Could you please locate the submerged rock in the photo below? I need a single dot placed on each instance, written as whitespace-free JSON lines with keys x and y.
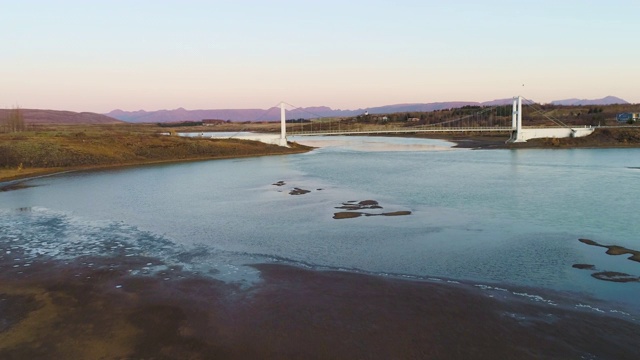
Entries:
{"x":348,"y":207}
{"x":347,"y":215}
{"x":397,"y":213}
{"x":615,"y":249}
{"x":590,"y":242}
{"x":615,"y":277}
{"x":364,"y":204}
{"x":355,"y":214}
{"x":584,"y":266}
{"x":298,"y":191}
{"x":352,"y":205}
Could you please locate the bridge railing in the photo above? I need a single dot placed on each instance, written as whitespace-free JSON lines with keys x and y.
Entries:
{"x":396,"y":130}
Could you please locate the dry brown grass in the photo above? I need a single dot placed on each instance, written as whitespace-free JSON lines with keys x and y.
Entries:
{"x":71,"y":147}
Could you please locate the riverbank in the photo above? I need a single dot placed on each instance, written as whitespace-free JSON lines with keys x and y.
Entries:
{"x":71,"y":148}
{"x":95,"y":307}
{"x":29,"y":154}
{"x":620,"y":137}
{"x":103,"y":266}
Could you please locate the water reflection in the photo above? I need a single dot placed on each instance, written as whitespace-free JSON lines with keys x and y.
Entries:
{"x":375,"y":144}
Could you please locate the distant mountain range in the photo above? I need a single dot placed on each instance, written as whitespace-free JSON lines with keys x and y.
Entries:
{"x":274,"y":113}
{"x":609,"y":100}
{"x":181,"y":114}
{"x":37,"y":116}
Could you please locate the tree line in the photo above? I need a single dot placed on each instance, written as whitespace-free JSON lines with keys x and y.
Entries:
{"x":14,"y":122}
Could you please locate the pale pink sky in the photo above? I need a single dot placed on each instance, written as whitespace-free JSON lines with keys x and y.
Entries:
{"x":102,"y":55}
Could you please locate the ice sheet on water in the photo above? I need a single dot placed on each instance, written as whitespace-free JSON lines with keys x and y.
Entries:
{"x":28,"y":234}
{"x":45,"y":232}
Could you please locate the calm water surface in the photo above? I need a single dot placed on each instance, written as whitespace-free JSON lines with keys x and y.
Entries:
{"x":512,"y":217}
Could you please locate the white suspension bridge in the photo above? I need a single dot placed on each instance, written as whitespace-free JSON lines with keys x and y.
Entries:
{"x":484,"y":120}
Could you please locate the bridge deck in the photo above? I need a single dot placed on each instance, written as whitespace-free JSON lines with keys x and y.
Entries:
{"x":398,"y":130}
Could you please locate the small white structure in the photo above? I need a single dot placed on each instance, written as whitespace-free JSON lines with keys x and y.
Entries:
{"x":538,"y":133}
{"x":522,"y":135}
{"x":272,"y":139}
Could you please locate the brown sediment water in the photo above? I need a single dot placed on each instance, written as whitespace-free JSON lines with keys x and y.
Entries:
{"x":58,"y":310}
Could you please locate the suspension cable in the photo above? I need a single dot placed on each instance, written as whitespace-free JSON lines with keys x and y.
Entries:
{"x":460,"y":118}
{"x":483,"y":111}
{"x":540,"y":110}
{"x":264,"y":113}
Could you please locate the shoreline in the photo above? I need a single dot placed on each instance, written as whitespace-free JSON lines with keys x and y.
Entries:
{"x":44,"y":172}
{"x":602,"y":138}
{"x":131,"y":305}
{"x":94,"y":307}
{"x":35,"y":153}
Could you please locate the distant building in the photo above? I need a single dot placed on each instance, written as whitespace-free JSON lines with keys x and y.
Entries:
{"x":211,"y":122}
{"x":626,"y":117}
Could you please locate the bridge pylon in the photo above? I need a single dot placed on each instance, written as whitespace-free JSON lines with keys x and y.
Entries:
{"x":283,"y":126}
{"x":516,"y":121}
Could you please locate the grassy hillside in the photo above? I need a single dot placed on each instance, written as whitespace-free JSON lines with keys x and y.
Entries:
{"x":95,"y":146}
{"x":38,"y":116}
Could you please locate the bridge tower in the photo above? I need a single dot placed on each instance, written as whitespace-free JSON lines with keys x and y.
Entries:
{"x":283,"y":126}
{"x":516,"y":120}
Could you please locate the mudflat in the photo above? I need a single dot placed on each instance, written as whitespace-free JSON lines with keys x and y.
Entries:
{"x":104,"y":308}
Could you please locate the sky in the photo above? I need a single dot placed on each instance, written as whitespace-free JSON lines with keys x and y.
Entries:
{"x":98,"y":56}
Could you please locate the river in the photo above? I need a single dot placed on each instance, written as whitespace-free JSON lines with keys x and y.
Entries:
{"x":507,"y":218}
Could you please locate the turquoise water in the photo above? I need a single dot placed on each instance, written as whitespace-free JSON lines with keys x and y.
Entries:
{"x":511,"y":217}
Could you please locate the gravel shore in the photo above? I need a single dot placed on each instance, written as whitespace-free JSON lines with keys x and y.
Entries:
{"x":95,"y":308}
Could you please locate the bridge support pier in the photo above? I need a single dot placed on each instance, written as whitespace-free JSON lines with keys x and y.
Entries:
{"x":518,"y":134}
{"x":516,"y":121}
{"x":283,"y":126}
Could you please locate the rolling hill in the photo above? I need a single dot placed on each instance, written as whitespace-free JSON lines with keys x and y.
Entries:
{"x":609,"y":100}
{"x":36,"y":116}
